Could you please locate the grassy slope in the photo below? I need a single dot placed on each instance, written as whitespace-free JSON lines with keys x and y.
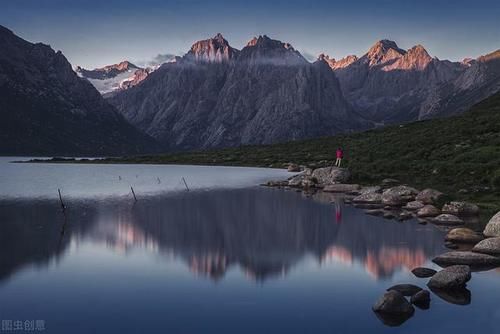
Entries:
{"x":448,"y":154}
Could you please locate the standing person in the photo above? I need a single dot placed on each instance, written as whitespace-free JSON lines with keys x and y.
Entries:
{"x":340,"y":156}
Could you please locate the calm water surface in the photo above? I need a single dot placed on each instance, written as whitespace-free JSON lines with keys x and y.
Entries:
{"x":225,"y":257}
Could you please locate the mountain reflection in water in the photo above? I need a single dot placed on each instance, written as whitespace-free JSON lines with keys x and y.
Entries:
{"x":264,"y":232}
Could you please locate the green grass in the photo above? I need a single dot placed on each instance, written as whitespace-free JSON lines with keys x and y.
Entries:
{"x":459,"y":155}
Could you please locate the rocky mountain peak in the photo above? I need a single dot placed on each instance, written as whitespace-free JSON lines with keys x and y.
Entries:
{"x":384,"y":51}
{"x":212,"y":50}
{"x":268,"y":50}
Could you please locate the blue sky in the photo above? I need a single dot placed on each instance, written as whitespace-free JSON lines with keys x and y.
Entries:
{"x":94,"y":33}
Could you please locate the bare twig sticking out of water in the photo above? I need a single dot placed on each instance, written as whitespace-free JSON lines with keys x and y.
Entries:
{"x":133,"y":193}
{"x":184,"y":180}
{"x":63,"y":206}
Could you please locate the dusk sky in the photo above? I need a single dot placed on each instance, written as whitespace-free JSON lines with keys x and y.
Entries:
{"x":93,"y":33}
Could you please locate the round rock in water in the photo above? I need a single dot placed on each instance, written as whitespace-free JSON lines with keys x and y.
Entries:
{"x":421,"y":299}
{"x":405,"y":289}
{"x":464,"y":235}
{"x":413,"y":205}
{"x":493,"y":227}
{"x":447,"y":219}
{"x":422,"y":272}
{"x":428,"y":211}
{"x":488,"y":246}
{"x":468,"y":258}
{"x":461,"y":209}
{"x":393,"y":302}
{"x":429,"y":196}
{"x":453,"y":277}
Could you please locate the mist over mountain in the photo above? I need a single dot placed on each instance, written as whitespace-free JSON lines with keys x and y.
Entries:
{"x":47,"y":109}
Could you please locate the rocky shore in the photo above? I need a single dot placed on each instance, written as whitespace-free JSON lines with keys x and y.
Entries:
{"x":470,"y":249}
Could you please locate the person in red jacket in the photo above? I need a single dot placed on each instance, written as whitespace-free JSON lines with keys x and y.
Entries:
{"x":340,"y":156}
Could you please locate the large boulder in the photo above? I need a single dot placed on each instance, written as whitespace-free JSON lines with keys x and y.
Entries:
{"x":392,"y":200}
{"x":430,"y":196}
{"x":493,"y":227}
{"x":368,"y":198}
{"x":461,"y":209}
{"x":399,"y":194}
{"x":488,"y":246}
{"x":393,"y":302}
{"x":447,"y":219}
{"x":342,"y":188}
{"x":453,"y":277}
{"x":413,"y":205}
{"x":405,"y":289}
{"x":464,"y":235}
{"x":331,"y":175}
{"x":428,"y":211}
{"x":468,"y":258}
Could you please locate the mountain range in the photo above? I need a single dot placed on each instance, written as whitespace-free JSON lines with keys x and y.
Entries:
{"x":218,"y":96}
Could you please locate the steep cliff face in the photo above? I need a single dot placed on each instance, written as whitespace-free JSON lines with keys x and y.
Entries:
{"x":216,"y":96}
{"x":389,"y":84}
{"x":47,"y":109}
{"x":480,"y":80}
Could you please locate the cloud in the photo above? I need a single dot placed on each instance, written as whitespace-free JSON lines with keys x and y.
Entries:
{"x":309,"y":56}
{"x":157,"y":60}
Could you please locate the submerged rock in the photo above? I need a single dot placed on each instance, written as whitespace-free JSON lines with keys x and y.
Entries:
{"x":493,"y":227}
{"x":464,"y":235}
{"x":342,"y":188}
{"x":331,"y":175}
{"x":468,"y":258}
{"x":461,"y":209}
{"x":453,"y":277}
{"x":488,"y":246}
{"x":428,"y":211}
{"x":422,"y":272}
{"x":405,"y":289}
{"x":460,"y":296}
{"x":430,"y":196}
{"x":447,"y":219}
{"x":393,"y":302}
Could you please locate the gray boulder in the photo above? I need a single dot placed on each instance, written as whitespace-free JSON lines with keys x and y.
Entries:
{"x":413,"y":205}
{"x":392,"y":200}
{"x":393,"y":302}
{"x":405,"y":289}
{"x":428,"y":211}
{"x":453,"y":277}
{"x":331,"y":175}
{"x":405,"y":193}
{"x":342,"y":188}
{"x":493,"y":227}
{"x":422,"y":272}
{"x":488,"y":246}
{"x":461,"y":209}
{"x":447,"y":219}
{"x":429,"y":196}
{"x":467,"y":258}
{"x":464,"y":235}
{"x":368,"y":198}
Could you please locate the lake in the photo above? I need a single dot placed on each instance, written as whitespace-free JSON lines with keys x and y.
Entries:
{"x":227,"y":256}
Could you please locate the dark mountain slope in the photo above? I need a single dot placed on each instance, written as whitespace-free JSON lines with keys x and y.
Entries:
{"x":47,"y":109}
